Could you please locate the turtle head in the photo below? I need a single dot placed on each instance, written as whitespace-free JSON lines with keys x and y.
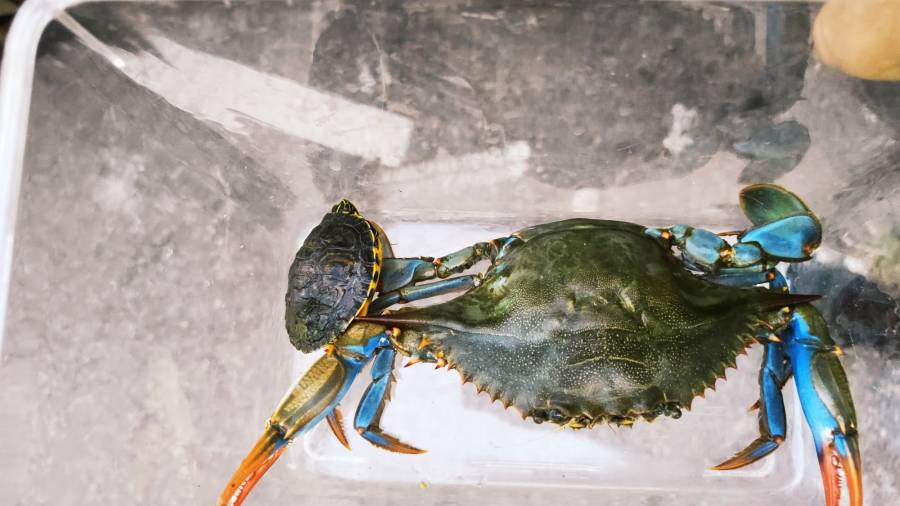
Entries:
{"x":345,"y":207}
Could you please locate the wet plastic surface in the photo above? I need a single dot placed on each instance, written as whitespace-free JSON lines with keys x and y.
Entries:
{"x":178,"y":153}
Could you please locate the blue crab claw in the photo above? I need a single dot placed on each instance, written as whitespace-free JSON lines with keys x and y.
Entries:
{"x":784,"y":227}
{"x":827,"y":405}
{"x":791,"y":239}
{"x":765,"y":203}
{"x":311,"y":399}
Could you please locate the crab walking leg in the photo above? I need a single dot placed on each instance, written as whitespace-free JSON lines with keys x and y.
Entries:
{"x":401,"y":272}
{"x":336,"y":423}
{"x":315,"y":395}
{"x":457,"y":262}
{"x":741,"y":276}
{"x":368,"y":414}
{"x":772,"y":424}
{"x":414,"y":293}
{"x":827,"y":404}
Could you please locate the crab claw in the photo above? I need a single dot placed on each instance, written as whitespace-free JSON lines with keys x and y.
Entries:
{"x":784,"y":227}
{"x":313,"y":397}
{"x":827,"y":405}
{"x":265,"y":452}
{"x":840,"y":465}
{"x":833,"y":423}
{"x":767,"y":203}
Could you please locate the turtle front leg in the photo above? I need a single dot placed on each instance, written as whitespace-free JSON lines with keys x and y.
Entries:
{"x":772,"y":425}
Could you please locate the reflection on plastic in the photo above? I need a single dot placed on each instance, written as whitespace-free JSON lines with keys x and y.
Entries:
{"x":191,"y":80}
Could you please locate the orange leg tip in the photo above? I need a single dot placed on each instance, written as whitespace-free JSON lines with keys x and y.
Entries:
{"x":336,"y":423}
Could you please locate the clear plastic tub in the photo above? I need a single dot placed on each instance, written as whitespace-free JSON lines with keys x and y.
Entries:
{"x":178,"y":152}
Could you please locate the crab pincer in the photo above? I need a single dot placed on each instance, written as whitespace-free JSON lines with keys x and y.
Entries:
{"x":827,"y":405}
{"x":314,"y":396}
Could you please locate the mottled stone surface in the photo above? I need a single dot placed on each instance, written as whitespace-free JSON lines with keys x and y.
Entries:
{"x":145,"y":344}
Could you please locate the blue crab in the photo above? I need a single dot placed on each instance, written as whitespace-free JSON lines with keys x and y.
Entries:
{"x":576,"y":322}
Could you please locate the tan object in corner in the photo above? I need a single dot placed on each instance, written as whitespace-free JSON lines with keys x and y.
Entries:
{"x":860,"y":37}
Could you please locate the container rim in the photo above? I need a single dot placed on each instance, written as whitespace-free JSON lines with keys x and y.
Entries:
{"x":16,"y":77}
{"x":16,"y":80}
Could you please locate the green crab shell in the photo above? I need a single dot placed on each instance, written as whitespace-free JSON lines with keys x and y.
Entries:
{"x":333,"y":275}
{"x":589,"y":321}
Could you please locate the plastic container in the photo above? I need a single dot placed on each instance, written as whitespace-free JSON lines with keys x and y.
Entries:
{"x":178,"y":152}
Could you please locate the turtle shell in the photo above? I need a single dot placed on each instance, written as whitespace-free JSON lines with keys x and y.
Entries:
{"x":332,"y":277}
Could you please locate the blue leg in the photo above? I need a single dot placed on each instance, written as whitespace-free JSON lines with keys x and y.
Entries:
{"x":827,"y":404}
{"x":368,"y":414}
{"x":399,"y":272}
{"x":772,"y":425}
{"x":402,"y":272}
{"x":418,"y":292}
{"x":741,"y":277}
{"x":750,"y":277}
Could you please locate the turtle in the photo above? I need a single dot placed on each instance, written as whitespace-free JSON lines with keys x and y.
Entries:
{"x":333,"y":277}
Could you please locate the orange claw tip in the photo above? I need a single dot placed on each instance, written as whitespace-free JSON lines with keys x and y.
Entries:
{"x":753,"y":452}
{"x":268,"y":448}
{"x":391,"y":443}
{"x":841,"y":470}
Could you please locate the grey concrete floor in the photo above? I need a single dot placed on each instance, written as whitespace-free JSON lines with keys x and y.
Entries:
{"x":177,"y":156}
